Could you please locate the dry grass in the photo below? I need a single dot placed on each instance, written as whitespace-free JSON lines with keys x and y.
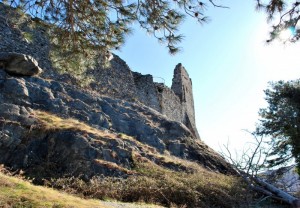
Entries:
{"x":155,"y":184}
{"x":18,"y":193}
{"x":53,"y":122}
{"x":201,"y":188}
{"x":114,"y":166}
{"x":15,"y":192}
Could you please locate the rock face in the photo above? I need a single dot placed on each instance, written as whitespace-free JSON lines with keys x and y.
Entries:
{"x":19,"y":64}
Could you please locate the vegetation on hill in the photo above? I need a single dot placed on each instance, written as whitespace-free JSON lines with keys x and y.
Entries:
{"x":17,"y":192}
{"x":157,"y":184}
{"x":153,"y":178}
{"x":153,"y":184}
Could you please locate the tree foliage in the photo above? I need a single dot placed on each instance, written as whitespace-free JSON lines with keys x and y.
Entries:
{"x":286,"y":15}
{"x":102,"y":25}
{"x":281,"y":121}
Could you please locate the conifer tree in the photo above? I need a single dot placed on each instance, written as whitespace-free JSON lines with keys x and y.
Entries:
{"x":281,"y":121}
{"x":103,"y":24}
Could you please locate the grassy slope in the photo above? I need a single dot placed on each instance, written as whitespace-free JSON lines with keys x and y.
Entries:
{"x":15,"y":192}
{"x":151,"y":183}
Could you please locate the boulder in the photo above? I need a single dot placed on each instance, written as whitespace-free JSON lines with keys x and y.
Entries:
{"x":19,"y":64}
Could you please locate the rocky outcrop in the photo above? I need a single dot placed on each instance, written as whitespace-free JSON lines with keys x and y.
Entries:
{"x":126,"y":129}
{"x":19,"y":64}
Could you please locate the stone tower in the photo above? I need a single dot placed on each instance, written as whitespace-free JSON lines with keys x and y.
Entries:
{"x":182,"y":87}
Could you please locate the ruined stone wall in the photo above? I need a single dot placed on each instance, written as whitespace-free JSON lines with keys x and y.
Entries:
{"x":146,"y":91}
{"x":176,"y":103}
{"x":116,"y":81}
{"x":30,"y":38}
{"x":169,"y":102}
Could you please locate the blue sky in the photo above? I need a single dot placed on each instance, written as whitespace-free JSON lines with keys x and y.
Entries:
{"x":230,"y":66}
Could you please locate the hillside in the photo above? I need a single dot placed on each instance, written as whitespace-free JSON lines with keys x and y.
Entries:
{"x":151,"y":183}
{"x":39,"y":136}
{"x":121,"y":136}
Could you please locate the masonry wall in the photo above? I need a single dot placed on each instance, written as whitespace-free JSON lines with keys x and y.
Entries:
{"x":116,"y":81}
{"x":169,"y":102}
{"x":146,"y":90}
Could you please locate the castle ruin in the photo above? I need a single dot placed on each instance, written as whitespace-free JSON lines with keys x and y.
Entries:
{"x":177,"y":102}
{"x":118,"y":81}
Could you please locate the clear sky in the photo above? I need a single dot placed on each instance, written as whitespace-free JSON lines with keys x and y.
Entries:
{"x":230,"y":66}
